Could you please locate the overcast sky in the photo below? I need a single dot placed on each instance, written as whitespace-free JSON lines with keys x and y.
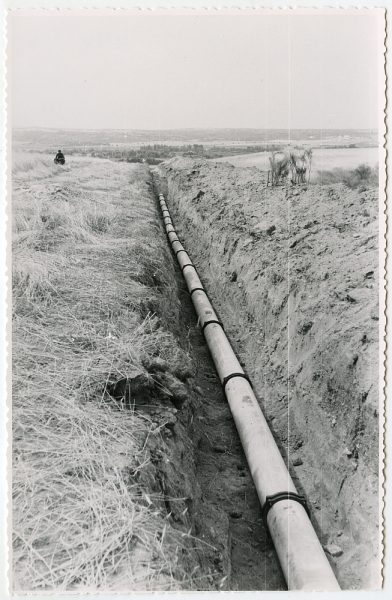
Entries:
{"x":155,"y":71}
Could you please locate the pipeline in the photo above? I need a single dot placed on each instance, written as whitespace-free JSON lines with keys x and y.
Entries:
{"x":285,"y":512}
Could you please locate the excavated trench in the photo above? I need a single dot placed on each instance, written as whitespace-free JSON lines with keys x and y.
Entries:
{"x":229,"y":513}
{"x":237,"y":551}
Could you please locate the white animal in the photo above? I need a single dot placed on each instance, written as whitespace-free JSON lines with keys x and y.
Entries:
{"x":296,"y":160}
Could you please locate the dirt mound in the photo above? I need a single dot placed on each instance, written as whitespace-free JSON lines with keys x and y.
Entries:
{"x":294,"y":275}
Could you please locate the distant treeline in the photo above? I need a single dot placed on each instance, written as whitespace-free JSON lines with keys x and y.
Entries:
{"x":156,"y":153}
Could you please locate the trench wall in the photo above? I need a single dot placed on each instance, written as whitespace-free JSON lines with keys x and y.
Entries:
{"x":170,"y":472}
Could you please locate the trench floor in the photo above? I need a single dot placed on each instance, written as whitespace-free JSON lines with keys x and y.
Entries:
{"x":231,"y":506}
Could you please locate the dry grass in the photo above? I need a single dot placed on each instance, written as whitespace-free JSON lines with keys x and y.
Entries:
{"x":88,"y":285}
{"x":363,"y":177}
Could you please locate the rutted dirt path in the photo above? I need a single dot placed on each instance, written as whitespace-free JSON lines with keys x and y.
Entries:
{"x":229,"y":516}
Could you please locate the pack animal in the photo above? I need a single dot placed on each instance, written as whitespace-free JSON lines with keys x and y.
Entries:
{"x":296,"y":162}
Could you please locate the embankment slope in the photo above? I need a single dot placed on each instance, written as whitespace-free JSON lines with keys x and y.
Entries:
{"x":294,"y":275}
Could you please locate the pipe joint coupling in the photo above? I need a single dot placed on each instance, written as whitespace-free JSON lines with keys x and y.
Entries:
{"x":274,"y":498}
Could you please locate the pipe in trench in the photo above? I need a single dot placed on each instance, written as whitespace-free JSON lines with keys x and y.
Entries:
{"x":300,"y":553}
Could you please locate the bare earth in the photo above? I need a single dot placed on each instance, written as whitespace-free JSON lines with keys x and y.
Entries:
{"x":294,"y":275}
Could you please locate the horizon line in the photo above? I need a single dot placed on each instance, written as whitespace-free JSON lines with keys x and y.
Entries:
{"x":195,"y":128}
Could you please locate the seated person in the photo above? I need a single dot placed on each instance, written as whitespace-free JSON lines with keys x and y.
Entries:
{"x":59,"y":156}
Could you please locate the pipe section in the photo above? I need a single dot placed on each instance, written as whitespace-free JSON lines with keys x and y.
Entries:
{"x":300,"y":554}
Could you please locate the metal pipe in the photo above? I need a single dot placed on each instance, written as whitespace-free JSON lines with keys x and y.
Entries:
{"x":300,"y":553}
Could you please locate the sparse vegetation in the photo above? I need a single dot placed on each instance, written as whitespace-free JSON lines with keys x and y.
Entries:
{"x":363,"y":176}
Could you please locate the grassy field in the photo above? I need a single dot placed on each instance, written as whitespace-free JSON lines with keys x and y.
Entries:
{"x":90,"y":299}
